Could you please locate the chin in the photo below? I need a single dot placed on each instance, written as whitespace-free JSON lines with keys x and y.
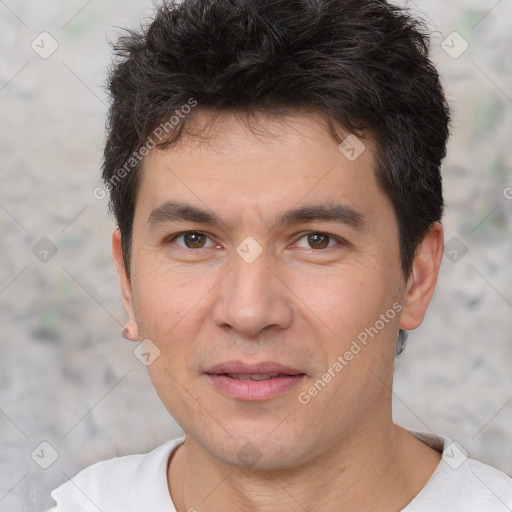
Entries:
{"x":258,"y":450}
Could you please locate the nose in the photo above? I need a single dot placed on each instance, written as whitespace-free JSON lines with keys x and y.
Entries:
{"x":252,"y":298}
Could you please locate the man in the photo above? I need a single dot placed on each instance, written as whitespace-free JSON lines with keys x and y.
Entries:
{"x":274,"y":171}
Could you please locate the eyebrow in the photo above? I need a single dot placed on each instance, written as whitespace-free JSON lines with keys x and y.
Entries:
{"x":175,"y":211}
{"x":329,"y":212}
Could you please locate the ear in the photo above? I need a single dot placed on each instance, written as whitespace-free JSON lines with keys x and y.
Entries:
{"x":124,"y":279}
{"x":423,"y":278}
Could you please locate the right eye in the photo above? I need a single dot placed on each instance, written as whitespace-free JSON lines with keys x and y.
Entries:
{"x":191,"y":240}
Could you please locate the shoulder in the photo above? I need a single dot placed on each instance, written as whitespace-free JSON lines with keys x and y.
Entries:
{"x":472,"y":487}
{"x":491,"y":481}
{"x":122,"y":483}
{"x":461,"y":483}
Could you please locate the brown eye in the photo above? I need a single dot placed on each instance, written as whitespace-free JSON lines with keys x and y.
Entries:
{"x":192,"y":240}
{"x":318,"y":240}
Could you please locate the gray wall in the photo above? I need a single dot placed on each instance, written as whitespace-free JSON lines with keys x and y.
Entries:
{"x":66,"y":375}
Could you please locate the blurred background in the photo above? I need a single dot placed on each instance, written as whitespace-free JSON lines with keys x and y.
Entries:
{"x":67,"y":377}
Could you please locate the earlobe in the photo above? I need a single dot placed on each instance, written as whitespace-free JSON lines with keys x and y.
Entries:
{"x":423,"y":278}
{"x":125,"y":283}
{"x":131,"y":331}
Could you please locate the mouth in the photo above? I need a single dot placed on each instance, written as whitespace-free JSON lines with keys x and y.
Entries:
{"x":257,"y":376}
{"x":258,"y":382}
{"x":268,"y":369}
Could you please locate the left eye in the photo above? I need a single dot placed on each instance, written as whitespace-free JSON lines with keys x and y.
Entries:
{"x":192,"y":240}
{"x":318,"y":241}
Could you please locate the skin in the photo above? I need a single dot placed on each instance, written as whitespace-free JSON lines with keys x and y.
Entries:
{"x":301,"y":302}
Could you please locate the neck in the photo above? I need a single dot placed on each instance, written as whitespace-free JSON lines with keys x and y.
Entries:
{"x":390,"y":462}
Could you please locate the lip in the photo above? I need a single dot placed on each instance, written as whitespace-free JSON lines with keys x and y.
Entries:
{"x":241,"y":367}
{"x":257,"y":390}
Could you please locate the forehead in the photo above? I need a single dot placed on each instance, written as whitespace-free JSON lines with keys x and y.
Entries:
{"x":284,"y":132}
{"x":260,"y":164}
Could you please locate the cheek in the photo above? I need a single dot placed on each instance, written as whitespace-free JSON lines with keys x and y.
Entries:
{"x":171,"y":309}
{"x":162,"y":300}
{"x":348,"y":300}
{"x":361,"y":309}
{"x":168,"y":313}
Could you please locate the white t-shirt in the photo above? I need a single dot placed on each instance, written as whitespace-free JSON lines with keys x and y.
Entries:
{"x":138,"y":483}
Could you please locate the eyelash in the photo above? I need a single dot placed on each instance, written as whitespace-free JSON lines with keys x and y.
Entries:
{"x":303,"y":235}
{"x":178,"y":235}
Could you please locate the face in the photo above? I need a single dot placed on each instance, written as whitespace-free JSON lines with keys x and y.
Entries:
{"x":265,"y":268}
